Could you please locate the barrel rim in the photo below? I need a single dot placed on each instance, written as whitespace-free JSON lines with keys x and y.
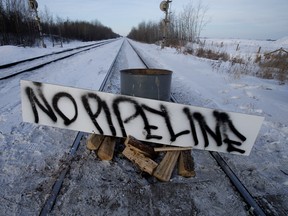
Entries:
{"x":144,"y":71}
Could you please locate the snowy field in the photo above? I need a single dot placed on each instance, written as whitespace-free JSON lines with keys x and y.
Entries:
{"x":245,"y":47}
{"x":31,"y":155}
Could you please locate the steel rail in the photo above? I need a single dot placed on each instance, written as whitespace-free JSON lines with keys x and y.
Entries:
{"x":248,"y":198}
{"x":50,"y":202}
{"x":54,"y":60}
{"x":46,"y":55}
{"x":254,"y":207}
{"x":140,"y":56}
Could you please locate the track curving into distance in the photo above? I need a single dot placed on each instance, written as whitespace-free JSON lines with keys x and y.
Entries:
{"x":13,"y":69}
{"x":254,"y":207}
{"x":48,"y":206}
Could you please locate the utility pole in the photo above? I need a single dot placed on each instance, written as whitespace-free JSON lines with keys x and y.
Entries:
{"x":164,"y":6}
{"x":34,"y":5}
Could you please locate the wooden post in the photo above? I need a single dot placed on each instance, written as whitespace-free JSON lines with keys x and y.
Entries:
{"x":106,"y":150}
{"x":186,"y":164}
{"x":238,"y":47}
{"x":164,"y":171}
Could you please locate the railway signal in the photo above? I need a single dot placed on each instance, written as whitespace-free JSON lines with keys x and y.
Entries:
{"x":164,"y":6}
{"x":34,"y":5}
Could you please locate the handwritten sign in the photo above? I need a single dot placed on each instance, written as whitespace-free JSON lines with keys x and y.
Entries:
{"x":147,"y":120}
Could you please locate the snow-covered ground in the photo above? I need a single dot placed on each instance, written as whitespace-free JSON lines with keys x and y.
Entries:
{"x":244,"y":48}
{"x":31,"y":155}
{"x":11,"y":54}
{"x":265,"y":171}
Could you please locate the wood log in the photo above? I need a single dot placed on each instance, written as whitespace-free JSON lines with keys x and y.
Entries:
{"x":144,"y":163}
{"x":144,"y":149}
{"x":164,"y":170}
{"x":106,"y":149}
{"x":186,"y":164}
{"x":94,"y":141}
{"x":160,"y":149}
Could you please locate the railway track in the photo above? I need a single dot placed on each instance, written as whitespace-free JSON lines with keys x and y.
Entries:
{"x":254,"y":208}
{"x":58,"y":184}
{"x":27,"y":65}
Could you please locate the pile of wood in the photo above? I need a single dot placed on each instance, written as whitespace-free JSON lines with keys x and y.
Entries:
{"x":145,"y":156}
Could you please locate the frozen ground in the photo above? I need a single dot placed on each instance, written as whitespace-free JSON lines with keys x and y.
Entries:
{"x":264,"y":172}
{"x":31,"y":155}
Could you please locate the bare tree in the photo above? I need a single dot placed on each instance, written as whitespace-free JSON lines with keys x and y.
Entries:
{"x":185,"y":26}
{"x":148,"y":32}
{"x":192,"y":21}
{"x":15,"y":23}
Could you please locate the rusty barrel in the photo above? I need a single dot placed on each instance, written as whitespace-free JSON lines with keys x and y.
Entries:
{"x":146,"y":83}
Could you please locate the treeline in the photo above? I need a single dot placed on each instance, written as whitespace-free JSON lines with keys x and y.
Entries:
{"x":18,"y":26}
{"x":146,"y":32}
{"x":79,"y":30}
{"x":186,"y":26}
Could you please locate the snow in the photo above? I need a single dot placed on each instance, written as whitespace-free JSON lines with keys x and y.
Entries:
{"x":10,"y":54}
{"x":247,"y":94}
{"x":282,"y":41}
{"x":31,"y":155}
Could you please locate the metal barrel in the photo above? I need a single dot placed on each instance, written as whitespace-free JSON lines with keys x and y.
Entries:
{"x":146,"y":83}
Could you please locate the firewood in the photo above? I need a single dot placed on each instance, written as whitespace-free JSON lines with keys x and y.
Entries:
{"x":94,"y":141}
{"x":186,"y":164}
{"x":164,"y":170}
{"x":144,"y":163}
{"x":159,"y":149}
{"x":106,"y":149}
{"x":143,"y":149}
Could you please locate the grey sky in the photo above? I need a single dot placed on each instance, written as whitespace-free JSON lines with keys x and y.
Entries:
{"x":257,"y":19}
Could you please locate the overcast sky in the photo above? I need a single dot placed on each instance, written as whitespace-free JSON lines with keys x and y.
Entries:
{"x":246,"y":19}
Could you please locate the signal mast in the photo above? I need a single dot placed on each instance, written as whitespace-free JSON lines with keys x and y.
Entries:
{"x":34,"y":5}
{"x":164,"y":6}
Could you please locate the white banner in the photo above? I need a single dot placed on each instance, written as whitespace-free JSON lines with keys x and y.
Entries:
{"x":147,"y":120}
